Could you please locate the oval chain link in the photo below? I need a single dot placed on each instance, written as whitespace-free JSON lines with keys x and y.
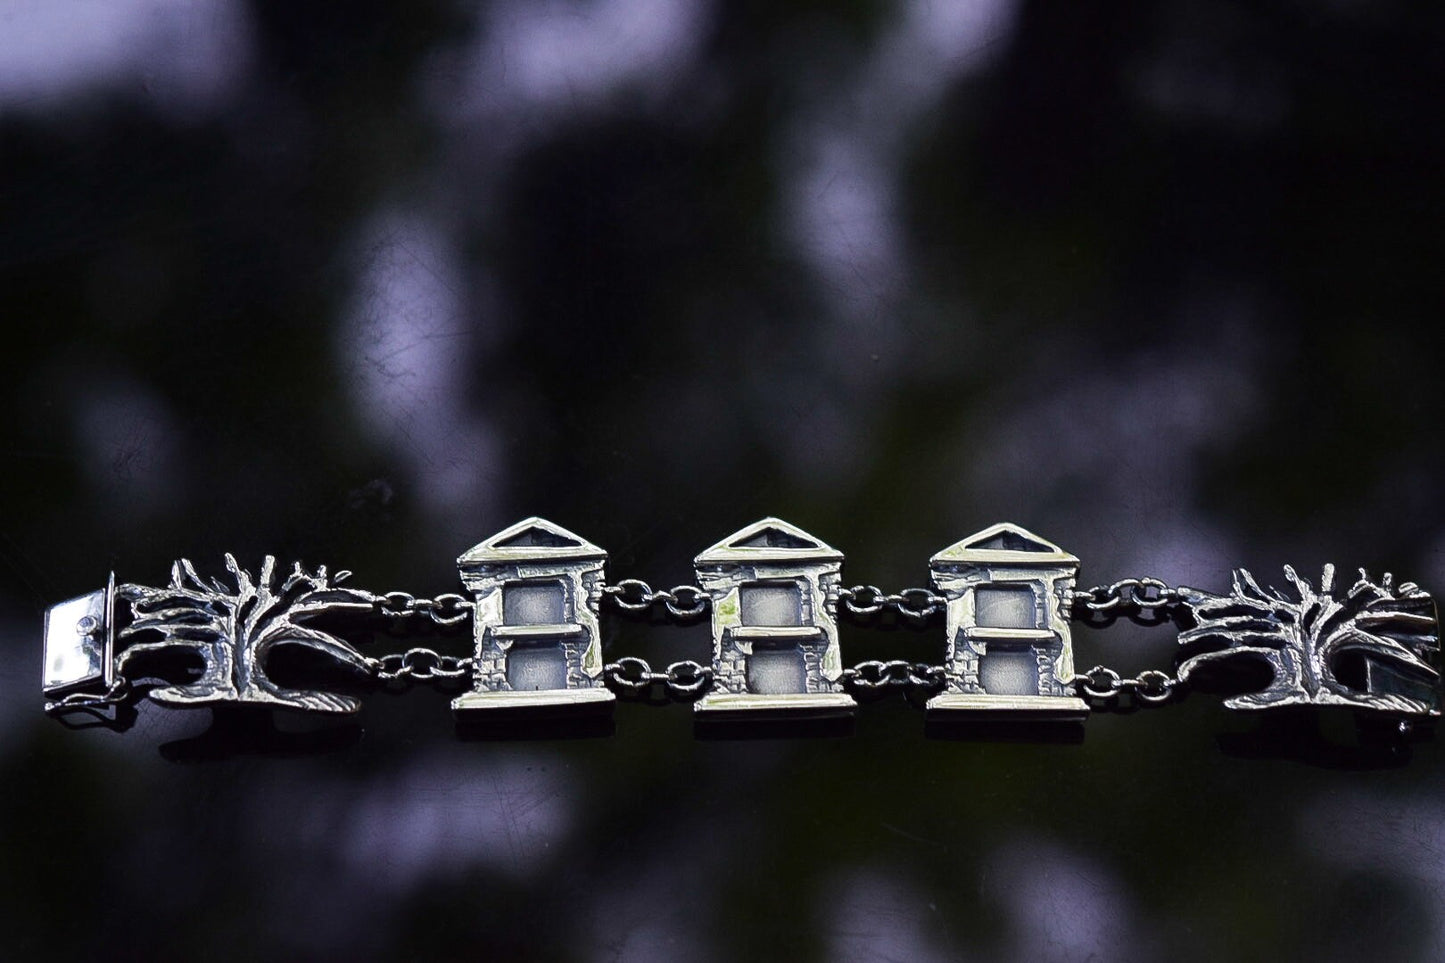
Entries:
{"x":876,"y":674}
{"x":634,"y":676}
{"x":445,"y":610}
{"x":1129,"y":596}
{"x":917,"y":605}
{"x":420,"y":665}
{"x":683,"y":602}
{"x":1102,"y":684}
{"x":1137,"y":594}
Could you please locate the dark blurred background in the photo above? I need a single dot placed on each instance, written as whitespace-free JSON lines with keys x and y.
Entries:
{"x":363,"y":284}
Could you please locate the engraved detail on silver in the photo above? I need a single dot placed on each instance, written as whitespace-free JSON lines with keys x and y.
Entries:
{"x":1371,"y":646}
{"x":1009,"y":651}
{"x":774,"y":591}
{"x":232,"y":627}
{"x":536,"y":589}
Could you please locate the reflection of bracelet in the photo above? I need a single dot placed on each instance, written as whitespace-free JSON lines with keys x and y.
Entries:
{"x":535,"y":591}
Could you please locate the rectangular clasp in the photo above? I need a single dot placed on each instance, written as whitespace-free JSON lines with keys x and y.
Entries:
{"x":80,"y":643}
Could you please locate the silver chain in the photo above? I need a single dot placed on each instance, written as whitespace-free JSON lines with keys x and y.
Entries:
{"x":421,"y":665}
{"x":683,"y":602}
{"x":1125,"y":596}
{"x":876,"y":674}
{"x":916,"y":604}
{"x":633,"y":676}
{"x":445,"y":610}
{"x":1101,"y":684}
{"x":1149,"y":597}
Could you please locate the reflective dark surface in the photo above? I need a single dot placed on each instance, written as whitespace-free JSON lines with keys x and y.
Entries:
{"x":1158,"y":281}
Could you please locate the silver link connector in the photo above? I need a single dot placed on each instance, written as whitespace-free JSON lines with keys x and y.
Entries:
{"x":876,"y":674}
{"x":1104,"y":685}
{"x":445,"y":610}
{"x":683,"y":602}
{"x":420,"y":665}
{"x":917,"y":605}
{"x":1126,"y":596}
{"x":634,"y":676}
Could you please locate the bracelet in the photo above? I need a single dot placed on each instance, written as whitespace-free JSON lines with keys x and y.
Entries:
{"x":534,"y":593}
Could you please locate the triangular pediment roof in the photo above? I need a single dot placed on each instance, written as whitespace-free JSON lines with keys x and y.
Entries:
{"x":1003,"y":543}
{"x":769,"y":540}
{"x":532,"y":539}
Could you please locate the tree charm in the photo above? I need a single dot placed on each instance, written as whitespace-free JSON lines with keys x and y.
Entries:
{"x":233,"y":628}
{"x":1372,"y":647}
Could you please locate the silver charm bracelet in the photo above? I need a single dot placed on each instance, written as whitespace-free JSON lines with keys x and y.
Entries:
{"x":534,"y":593}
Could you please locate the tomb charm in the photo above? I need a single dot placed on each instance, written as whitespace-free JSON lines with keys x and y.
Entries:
{"x":535,"y":590}
{"x":774,"y":627}
{"x":1007,"y":627}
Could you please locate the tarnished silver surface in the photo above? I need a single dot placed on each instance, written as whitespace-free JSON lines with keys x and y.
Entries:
{"x":1009,"y":651}
{"x":775,"y":633}
{"x":1371,"y":646}
{"x":232,"y":626}
{"x":536,"y":641}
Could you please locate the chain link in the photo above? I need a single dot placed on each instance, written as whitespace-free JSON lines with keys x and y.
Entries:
{"x":1124,"y":597}
{"x":445,"y":610}
{"x":421,"y":665}
{"x":876,"y":674}
{"x":633,"y":676}
{"x":683,"y":602}
{"x":915,"y":604}
{"x":1102,"y":684}
{"x":1148,"y":599}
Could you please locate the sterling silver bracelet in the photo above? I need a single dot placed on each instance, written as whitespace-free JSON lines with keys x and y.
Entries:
{"x":534,"y":593}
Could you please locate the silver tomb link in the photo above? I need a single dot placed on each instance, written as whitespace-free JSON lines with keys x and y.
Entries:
{"x":774,"y":591}
{"x":534,"y":593}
